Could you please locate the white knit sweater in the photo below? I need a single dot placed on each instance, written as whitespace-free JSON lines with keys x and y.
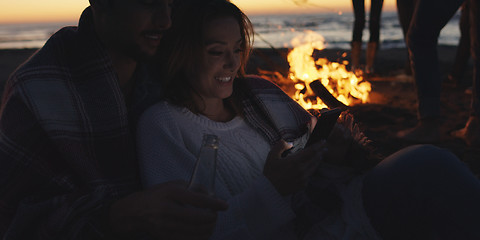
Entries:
{"x":169,"y":139}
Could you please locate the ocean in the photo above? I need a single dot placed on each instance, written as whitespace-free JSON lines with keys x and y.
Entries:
{"x":270,"y":31}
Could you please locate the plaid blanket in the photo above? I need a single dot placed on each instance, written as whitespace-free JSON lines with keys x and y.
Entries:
{"x":272,"y":112}
{"x":66,"y":148}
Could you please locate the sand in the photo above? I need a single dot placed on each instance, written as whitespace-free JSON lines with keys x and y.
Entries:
{"x":392,"y":106}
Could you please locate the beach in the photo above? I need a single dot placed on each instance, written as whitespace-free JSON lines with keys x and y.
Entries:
{"x":392,"y":105}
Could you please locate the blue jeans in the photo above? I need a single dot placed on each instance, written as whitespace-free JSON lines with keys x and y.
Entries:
{"x":423,"y":192}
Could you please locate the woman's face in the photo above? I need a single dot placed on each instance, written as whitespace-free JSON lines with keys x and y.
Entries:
{"x":222,"y":53}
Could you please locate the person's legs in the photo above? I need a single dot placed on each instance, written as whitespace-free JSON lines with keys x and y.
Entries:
{"x":429,"y":17}
{"x":359,"y":23}
{"x":428,"y":20}
{"x":423,"y":192}
{"x":474,"y":17}
{"x":374,"y":28}
{"x":405,"y":10}
{"x":358,"y":26}
{"x":463,"y":49}
{"x":374,"y":21}
{"x":471,"y":132}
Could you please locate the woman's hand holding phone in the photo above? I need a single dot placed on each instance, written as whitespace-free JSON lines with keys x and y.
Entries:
{"x":324,"y":125}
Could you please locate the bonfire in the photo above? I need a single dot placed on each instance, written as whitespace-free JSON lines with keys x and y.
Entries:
{"x":306,"y":73}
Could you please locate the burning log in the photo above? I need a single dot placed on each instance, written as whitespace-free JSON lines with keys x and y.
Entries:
{"x":326,"y":96}
{"x":319,"y":83}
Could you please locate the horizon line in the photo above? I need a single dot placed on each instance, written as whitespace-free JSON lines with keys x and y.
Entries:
{"x":75,"y":20}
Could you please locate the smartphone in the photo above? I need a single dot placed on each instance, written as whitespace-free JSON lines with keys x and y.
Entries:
{"x":325,"y":123}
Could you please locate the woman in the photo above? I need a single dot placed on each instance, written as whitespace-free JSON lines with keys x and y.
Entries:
{"x":208,"y":47}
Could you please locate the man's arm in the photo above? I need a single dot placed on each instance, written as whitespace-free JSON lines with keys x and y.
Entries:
{"x":44,"y":195}
{"x":166,"y":211}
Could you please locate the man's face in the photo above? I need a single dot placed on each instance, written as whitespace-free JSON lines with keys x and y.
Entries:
{"x":134,"y":28}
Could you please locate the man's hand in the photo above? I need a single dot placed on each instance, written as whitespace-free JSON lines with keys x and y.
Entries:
{"x":345,"y":141}
{"x":339,"y":143}
{"x":291,"y":174}
{"x":166,"y":211}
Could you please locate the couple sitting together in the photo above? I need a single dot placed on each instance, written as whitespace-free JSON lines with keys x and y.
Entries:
{"x":135,"y":190}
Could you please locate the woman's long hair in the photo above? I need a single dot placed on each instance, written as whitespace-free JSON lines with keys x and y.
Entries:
{"x":181,"y":51}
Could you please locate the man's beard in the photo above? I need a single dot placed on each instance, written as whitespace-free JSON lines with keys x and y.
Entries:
{"x":135,"y":52}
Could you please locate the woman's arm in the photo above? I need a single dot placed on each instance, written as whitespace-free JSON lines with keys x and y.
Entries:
{"x":257,"y":213}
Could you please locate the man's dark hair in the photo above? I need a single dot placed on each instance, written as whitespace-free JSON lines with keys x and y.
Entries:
{"x":102,"y":3}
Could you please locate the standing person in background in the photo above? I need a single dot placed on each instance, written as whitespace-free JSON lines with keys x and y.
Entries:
{"x":405,"y":12}
{"x":374,"y":29}
{"x":470,"y":40}
{"x":68,"y":168}
{"x":463,"y":50}
{"x":428,"y":19}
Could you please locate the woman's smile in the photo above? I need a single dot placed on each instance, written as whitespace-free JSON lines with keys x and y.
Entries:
{"x":224,"y":79}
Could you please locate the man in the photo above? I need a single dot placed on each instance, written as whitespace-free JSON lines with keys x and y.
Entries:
{"x":67,"y":156}
{"x":423,"y":27}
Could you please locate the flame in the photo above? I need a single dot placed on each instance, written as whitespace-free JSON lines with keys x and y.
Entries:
{"x":304,"y":69}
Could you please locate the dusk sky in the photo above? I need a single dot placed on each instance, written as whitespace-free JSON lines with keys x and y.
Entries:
{"x":69,"y":10}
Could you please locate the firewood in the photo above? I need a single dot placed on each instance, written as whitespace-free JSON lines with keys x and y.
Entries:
{"x":326,"y":96}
